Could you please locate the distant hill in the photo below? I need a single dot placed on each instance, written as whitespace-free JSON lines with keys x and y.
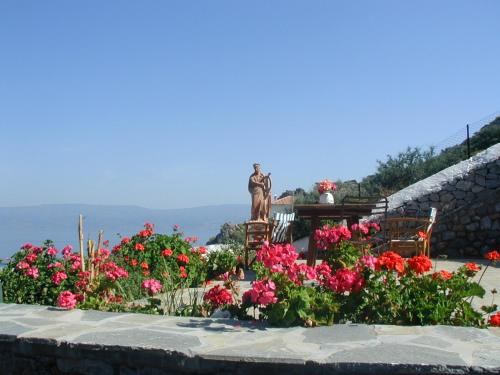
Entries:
{"x":59,"y":222}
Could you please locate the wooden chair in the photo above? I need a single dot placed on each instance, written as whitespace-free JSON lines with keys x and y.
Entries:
{"x":282,"y":227}
{"x":256,"y":233}
{"x":408,"y":236}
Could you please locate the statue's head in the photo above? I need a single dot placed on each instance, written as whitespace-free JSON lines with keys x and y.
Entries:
{"x":256,"y":167}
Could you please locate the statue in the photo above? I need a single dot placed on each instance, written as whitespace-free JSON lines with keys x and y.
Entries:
{"x":259,"y":186}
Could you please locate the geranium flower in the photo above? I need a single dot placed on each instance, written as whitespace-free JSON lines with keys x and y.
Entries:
{"x":31,"y":258}
{"x":59,"y":277}
{"x":22,"y":265}
{"x":151,"y":286}
{"x":52,"y":251}
{"x":472,"y":267}
{"x":183,"y":258}
{"x":113,"y":272}
{"x":493,"y":255}
{"x":277,"y":257}
{"x":346,"y":280}
{"x":144,"y":266}
{"x":167,"y":252}
{"x":327,"y":236}
{"x":262,"y":293}
{"x":182,"y":272}
{"x":391,"y":261}
{"x":495,"y":320}
{"x":443,"y":275}
{"x":368,"y":261}
{"x":67,"y":300}
{"x":326,"y":185}
{"x":139,"y":247}
{"x":420,"y":264}
{"x":32,"y":272}
{"x":134,"y":262}
{"x":125,"y":240}
{"x":422,"y":235}
{"x":218,"y":296}
{"x":66,"y":251}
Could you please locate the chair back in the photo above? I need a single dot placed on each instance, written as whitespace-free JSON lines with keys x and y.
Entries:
{"x":282,"y":227}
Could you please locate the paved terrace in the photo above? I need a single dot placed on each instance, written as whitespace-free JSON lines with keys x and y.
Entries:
{"x":46,"y":340}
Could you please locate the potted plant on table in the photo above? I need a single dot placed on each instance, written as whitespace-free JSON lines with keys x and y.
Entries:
{"x":326,"y":189}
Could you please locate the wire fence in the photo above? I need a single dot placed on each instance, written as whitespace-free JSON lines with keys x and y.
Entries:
{"x":462,"y":136}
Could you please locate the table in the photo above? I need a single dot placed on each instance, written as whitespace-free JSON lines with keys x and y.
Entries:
{"x":315,"y":212}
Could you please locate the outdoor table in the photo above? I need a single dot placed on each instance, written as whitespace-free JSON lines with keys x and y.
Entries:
{"x":316,"y":212}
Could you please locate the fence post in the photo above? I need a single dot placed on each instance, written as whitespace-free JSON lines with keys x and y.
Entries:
{"x":468,"y":142}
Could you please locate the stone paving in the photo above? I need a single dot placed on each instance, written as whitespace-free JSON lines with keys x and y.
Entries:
{"x":39,"y":339}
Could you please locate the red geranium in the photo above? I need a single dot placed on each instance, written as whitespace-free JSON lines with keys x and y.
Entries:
{"x":493,"y":255}
{"x":139,"y":247}
{"x":167,"y":252}
{"x":391,"y":261}
{"x":183,"y":258}
{"x":420,"y":264}
{"x":495,"y":320}
{"x":218,"y":296}
{"x":472,"y":267}
{"x":443,"y":274}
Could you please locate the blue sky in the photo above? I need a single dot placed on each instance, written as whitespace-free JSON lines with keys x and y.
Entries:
{"x":167,"y":104}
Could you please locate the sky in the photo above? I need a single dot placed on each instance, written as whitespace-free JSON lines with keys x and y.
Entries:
{"x":167,"y":104}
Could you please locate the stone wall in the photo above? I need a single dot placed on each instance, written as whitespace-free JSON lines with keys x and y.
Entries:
{"x":467,"y":196}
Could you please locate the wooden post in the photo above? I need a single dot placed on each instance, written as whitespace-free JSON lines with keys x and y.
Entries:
{"x":91,"y":252}
{"x":80,"y":237}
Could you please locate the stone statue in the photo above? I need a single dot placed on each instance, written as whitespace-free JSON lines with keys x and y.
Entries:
{"x":259,"y":187}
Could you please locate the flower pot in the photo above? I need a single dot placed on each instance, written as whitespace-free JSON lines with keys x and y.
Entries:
{"x":326,"y":198}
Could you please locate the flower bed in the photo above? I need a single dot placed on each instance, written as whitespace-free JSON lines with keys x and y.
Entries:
{"x":170,"y":276}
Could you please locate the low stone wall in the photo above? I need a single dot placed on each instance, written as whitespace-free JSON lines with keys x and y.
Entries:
{"x":467,"y":196}
{"x":45,"y":340}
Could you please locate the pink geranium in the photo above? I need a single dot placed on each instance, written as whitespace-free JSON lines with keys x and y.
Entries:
{"x":326,"y":185}
{"x":368,"y":261}
{"x":59,"y":277}
{"x":113,"y":272}
{"x":298,"y":273}
{"x":151,"y":286}
{"x":346,"y":280}
{"x":277,"y":258}
{"x":262,"y":293}
{"x":52,"y":251}
{"x":66,"y":251}
{"x":32,"y":272}
{"x":327,"y":236}
{"x":22,"y":265}
{"x":67,"y":300}
{"x":30,"y":258}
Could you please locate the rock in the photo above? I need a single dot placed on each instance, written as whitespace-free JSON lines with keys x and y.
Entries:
{"x":485,"y":223}
{"x":464,"y":185}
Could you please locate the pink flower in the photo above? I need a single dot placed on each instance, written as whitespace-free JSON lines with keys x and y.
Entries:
{"x":323,"y":272}
{"x":67,"y":300}
{"x":191,"y":239}
{"x":327,"y":236}
{"x":66,"y":251}
{"x":30,"y":258}
{"x":262,"y":293}
{"x":151,"y":286}
{"x":27,"y":246}
{"x":52,"y":251}
{"x":32,"y":272}
{"x":277,"y":257}
{"x":139,"y":247}
{"x":58,"y":277}
{"x":54,"y":265}
{"x":22,"y":265}
{"x":346,"y":280}
{"x":300,"y":272}
{"x":113,"y":272}
{"x":368,"y":261}
{"x":183,"y":258}
{"x":125,"y":240}
{"x":149,"y":226}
